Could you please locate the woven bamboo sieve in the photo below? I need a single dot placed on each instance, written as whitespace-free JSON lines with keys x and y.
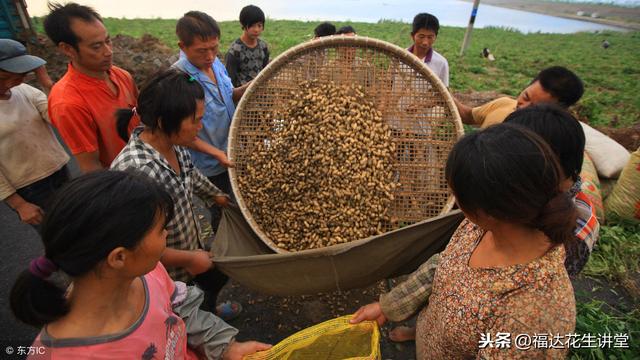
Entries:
{"x":420,"y":111}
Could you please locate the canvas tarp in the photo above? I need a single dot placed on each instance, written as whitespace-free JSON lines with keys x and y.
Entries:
{"x":239,"y":253}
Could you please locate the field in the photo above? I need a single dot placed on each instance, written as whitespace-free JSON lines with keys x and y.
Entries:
{"x":611,"y":76}
{"x":608,"y":291}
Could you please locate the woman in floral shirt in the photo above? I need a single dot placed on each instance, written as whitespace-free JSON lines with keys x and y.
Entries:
{"x":502,"y":275}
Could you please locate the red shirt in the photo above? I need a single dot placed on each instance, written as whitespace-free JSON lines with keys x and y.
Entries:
{"x":83,"y":110}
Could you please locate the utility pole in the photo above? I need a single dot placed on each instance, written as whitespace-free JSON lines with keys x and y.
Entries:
{"x":467,"y":34}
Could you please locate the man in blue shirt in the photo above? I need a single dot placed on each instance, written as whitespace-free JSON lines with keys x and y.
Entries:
{"x":199,"y":36}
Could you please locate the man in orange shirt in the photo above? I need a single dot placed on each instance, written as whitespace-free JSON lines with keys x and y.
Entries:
{"x":82,"y":104}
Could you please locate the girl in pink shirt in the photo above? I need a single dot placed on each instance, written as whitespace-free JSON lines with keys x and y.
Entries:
{"x":99,"y":291}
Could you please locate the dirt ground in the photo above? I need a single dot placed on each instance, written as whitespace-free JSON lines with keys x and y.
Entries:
{"x":270,"y":319}
{"x":141,"y":57}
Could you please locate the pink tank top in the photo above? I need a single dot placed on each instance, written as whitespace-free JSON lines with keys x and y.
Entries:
{"x":158,"y":334}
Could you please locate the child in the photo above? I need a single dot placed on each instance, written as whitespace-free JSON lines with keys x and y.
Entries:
{"x":424,"y":35}
{"x":324,"y":29}
{"x":99,"y":289}
{"x":170,"y":107}
{"x":249,"y":54}
{"x":503,"y":270}
{"x":33,"y":163}
{"x":346,"y":30}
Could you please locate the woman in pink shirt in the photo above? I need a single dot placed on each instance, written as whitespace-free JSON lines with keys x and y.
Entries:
{"x":99,"y":291}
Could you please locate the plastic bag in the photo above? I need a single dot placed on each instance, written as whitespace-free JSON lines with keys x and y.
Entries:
{"x":331,"y":340}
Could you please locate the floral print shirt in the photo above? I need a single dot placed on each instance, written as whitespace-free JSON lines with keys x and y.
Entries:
{"x":468,"y":303}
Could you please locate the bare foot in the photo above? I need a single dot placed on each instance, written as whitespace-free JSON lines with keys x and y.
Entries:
{"x":402,"y":333}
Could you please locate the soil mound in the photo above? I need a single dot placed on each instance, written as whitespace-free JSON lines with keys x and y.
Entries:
{"x":141,"y":57}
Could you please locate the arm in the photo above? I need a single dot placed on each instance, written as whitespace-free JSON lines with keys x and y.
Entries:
{"x":80,"y":132}
{"x":43,"y":78}
{"x":206,"y":190}
{"x":265,"y":62}
{"x":232,"y":66}
{"x":206,"y":333}
{"x":408,"y":297}
{"x":445,"y":74}
{"x":29,"y":213}
{"x":39,"y":101}
{"x":465,"y":112}
{"x":194,"y":261}
{"x":239,"y":91}
{"x":89,"y":161}
{"x":206,"y":148}
{"x":403,"y":300}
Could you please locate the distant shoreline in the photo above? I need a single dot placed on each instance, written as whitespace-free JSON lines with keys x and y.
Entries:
{"x":623,"y":17}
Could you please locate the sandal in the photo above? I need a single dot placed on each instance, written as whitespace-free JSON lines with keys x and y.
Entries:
{"x":228,"y":310}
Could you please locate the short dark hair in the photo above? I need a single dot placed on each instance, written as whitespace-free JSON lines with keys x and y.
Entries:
{"x":88,"y":218}
{"x":425,"y":21}
{"x":324,"y":29}
{"x":346,"y":30}
{"x":57,"y":24}
{"x":250,"y":15}
{"x":164,"y":101}
{"x":196,"y":23}
{"x":520,"y":186}
{"x":559,"y":129}
{"x":562,"y":84}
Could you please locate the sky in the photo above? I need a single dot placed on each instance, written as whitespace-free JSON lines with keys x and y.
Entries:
{"x":228,"y":10}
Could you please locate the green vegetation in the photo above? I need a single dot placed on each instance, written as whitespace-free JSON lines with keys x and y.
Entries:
{"x":612,"y":79}
{"x":593,"y":319}
{"x":617,"y":256}
{"x":615,"y":259}
{"x":611,"y":76}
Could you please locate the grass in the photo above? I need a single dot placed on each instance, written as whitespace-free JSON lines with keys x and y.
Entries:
{"x":610,"y":76}
{"x":612,"y":92}
{"x":616,"y":256}
{"x":615,"y":259}
{"x":594,"y":319}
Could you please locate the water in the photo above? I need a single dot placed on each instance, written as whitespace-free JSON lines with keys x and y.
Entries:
{"x":618,"y":2}
{"x":450,"y":12}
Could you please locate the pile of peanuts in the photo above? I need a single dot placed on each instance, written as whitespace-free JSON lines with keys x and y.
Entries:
{"x":323,"y":175}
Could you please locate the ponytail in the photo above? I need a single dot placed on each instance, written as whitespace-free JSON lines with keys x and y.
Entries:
{"x":36,"y":301}
{"x":165,"y":100}
{"x":557,"y":219}
{"x":123,"y":118}
{"x":520,"y":186}
{"x":88,"y":217}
